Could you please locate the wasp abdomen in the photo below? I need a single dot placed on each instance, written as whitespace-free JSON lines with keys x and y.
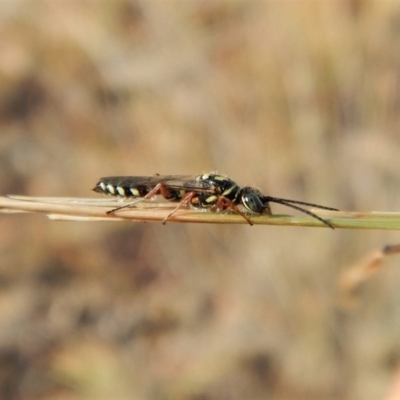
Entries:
{"x":123,"y":191}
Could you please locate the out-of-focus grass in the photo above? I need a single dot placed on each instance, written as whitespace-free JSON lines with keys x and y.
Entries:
{"x":299,"y":98}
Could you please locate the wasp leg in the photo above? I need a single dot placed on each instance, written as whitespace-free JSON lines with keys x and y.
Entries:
{"x":185,"y":201}
{"x":223,"y":203}
{"x":158,"y":189}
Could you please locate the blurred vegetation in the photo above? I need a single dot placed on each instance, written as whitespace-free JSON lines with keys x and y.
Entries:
{"x":300,"y":99}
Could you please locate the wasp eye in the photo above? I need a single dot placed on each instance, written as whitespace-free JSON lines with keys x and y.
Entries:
{"x":253,"y":203}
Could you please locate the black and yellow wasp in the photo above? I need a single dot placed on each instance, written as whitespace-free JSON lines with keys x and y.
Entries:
{"x":212,"y":191}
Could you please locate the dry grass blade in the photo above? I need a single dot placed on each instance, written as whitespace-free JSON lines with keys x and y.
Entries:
{"x":352,"y":278}
{"x":84,"y":209}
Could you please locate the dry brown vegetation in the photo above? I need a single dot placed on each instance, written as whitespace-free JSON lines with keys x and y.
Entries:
{"x":299,"y":98}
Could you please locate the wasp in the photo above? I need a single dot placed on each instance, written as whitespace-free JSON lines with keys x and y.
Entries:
{"x":206,"y":191}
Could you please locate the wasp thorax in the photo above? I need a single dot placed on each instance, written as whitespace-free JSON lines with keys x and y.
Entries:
{"x":221,"y":185}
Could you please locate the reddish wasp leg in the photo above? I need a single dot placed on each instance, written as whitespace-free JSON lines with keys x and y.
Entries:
{"x":158,"y":189}
{"x":185,"y":201}
{"x":223,"y":203}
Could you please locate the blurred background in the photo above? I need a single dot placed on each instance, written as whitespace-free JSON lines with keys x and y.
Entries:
{"x":298,"y":98}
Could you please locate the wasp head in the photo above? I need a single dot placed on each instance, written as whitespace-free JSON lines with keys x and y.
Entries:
{"x":254,"y":201}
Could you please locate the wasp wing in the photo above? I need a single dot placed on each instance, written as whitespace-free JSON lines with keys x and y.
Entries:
{"x":123,"y":184}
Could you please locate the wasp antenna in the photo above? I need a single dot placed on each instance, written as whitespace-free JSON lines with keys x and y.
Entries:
{"x":288,"y":204}
{"x":280,"y":200}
